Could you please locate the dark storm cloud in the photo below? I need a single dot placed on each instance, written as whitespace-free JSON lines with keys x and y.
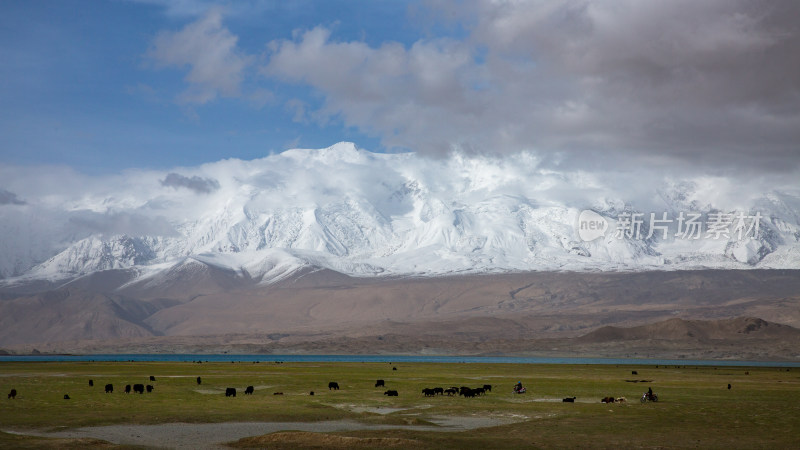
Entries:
{"x":710,"y":84}
{"x":195,"y":183}
{"x":10,"y":198}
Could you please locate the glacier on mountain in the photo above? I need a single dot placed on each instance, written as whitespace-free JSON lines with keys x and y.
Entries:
{"x":370,"y":214}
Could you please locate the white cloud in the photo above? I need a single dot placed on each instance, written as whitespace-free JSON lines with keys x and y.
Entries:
{"x":681,"y":84}
{"x":390,"y":91}
{"x":705,"y":87}
{"x":216,"y":66}
{"x":120,"y":223}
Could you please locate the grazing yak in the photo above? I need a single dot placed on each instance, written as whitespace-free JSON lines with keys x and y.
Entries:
{"x":91,"y":382}
{"x":230,"y":392}
{"x":451,"y":391}
{"x":607,"y":400}
{"x":333,"y":385}
{"x":380,"y":383}
{"x":428,"y":392}
{"x":311,"y":393}
{"x":127,"y":388}
{"x":391,"y":393}
{"x":149,"y":388}
{"x":633,"y":372}
{"x":152,"y":378}
{"x":12,"y":394}
{"x":138,"y":389}
{"x":248,"y":390}
{"x":66,"y":396}
{"x":467,"y":393}
{"x":438,"y":390}
{"x":109,"y":388}
{"x":276,"y":393}
{"x":199,"y":380}
{"x":569,"y":400}
{"x":487,"y":387}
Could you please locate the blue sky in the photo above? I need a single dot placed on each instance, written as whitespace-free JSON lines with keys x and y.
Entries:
{"x":104,"y":86}
{"x":79,"y":89}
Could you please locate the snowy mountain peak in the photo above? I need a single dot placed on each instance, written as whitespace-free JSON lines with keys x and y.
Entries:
{"x":365,"y":214}
{"x":346,"y":152}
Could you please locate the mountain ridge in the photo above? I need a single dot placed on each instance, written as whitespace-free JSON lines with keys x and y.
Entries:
{"x":470,"y":341}
{"x":463,"y":310}
{"x":365,"y":214}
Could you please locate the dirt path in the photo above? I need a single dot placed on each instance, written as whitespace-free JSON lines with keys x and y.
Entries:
{"x":214,"y":435}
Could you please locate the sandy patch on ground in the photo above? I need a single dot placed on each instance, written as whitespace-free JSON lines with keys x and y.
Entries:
{"x":214,"y":435}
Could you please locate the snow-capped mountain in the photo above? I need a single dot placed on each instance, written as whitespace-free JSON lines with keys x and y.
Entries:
{"x":369,"y":214}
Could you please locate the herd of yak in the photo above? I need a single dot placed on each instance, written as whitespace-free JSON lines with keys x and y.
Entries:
{"x":464,"y":391}
{"x":333,"y":385}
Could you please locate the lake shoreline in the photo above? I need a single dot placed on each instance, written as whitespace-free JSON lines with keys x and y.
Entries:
{"x":277,"y":358}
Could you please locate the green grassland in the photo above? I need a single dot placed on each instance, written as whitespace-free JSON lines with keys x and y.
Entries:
{"x":695,"y":408}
